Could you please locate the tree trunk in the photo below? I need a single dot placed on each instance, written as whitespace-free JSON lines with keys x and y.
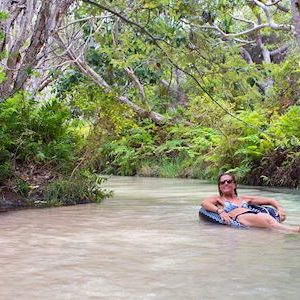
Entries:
{"x":80,"y":63}
{"x":27,"y":38}
{"x":295,"y":7}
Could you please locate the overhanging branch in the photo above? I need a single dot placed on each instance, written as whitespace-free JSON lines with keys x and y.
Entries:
{"x":155,"y":41}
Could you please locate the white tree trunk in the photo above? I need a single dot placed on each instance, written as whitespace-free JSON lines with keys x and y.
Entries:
{"x":295,"y":6}
{"x":27,"y":36}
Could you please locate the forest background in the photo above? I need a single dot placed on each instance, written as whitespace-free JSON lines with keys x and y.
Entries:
{"x":185,"y":88}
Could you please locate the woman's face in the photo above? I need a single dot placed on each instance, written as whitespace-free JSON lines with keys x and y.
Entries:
{"x":227,"y":184}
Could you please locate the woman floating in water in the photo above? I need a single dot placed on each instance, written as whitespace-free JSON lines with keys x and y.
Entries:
{"x":232,"y":207}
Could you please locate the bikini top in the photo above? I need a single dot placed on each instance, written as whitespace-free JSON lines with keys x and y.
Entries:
{"x":229,"y":206}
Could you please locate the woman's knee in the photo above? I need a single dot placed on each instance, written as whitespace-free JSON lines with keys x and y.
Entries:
{"x":268,"y":220}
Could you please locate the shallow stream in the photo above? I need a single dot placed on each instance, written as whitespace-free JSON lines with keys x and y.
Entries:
{"x":147,"y":243}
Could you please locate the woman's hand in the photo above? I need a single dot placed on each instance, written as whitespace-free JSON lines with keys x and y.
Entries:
{"x":225,"y":217}
{"x":267,"y":201}
{"x":281,"y":212}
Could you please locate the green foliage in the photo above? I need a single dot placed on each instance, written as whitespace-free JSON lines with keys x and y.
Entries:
{"x":204,"y":112}
{"x":123,"y":156}
{"x":170,"y":168}
{"x":39,"y":133}
{"x":244,"y":146}
{"x":5,"y":171}
{"x":3,"y":15}
{"x":22,"y":187}
{"x":33,"y":133}
{"x":239,"y":145}
{"x":229,"y":80}
{"x":85,"y":128}
{"x":285,"y":129}
{"x":65,"y":82}
{"x":84,"y":188}
{"x":287,"y":81}
{"x":174,"y":151}
{"x":49,"y":119}
{"x":101,"y":111}
{"x":2,"y":74}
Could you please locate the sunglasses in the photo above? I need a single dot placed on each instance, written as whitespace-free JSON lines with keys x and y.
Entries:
{"x":229,"y":181}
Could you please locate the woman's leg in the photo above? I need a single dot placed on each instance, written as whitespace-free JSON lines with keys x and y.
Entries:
{"x":264,"y":221}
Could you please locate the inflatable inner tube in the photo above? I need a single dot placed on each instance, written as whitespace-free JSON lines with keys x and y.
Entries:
{"x":210,"y":216}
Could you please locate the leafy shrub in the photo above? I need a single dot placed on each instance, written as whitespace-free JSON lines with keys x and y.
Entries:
{"x":170,"y":168}
{"x":124,"y":155}
{"x":5,"y":171}
{"x":172,"y":151}
{"x":239,"y":144}
{"x":285,"y":129}
{"x":40,"y":139}
{"x":39,"y":133}
{"x":22,"y":187}
{"x":49,"y":120}
{"x":84,"y":188}
{"x":148,"y":169}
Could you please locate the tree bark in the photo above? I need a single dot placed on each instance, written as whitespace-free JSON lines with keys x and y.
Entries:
{"x":295,"y":8}
{"x":80,"y":63}
{"x":30,"y":31}
{"x":268,"y":82}
{"x":27,"y":35}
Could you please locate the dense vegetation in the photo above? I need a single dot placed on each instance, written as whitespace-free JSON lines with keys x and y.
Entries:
{"x":151,"y":88}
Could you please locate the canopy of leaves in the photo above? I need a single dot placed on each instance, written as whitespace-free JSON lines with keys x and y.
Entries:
{"x":156,"y":88}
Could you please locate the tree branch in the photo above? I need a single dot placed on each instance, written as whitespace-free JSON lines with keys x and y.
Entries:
{"x":246,"y":55}
{"x":276,"y":3}
{"x":90,"y":73}
{"x":279,"y":50}
{"x":273,"y":2}
{"x":137,"y":84}
{"x":143,"y":30}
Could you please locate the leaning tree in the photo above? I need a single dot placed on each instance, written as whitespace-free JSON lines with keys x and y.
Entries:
{"x":38,"y":37}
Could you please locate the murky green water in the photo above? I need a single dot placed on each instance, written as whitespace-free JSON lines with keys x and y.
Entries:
{"x":147,"y":243}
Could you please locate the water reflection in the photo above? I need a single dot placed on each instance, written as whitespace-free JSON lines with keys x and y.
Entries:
{"x":146,"y":243}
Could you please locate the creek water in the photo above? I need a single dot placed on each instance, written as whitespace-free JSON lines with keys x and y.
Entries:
{"x":147,"y":243}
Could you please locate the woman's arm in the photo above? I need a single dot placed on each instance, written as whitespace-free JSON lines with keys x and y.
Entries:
{"x":212,"y":204}
{"x":257,"y":200}
{"x":215,"y":205}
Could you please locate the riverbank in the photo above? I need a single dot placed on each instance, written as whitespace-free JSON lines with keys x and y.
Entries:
{"x":11,"y":200}
{"x":44,"y":188}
